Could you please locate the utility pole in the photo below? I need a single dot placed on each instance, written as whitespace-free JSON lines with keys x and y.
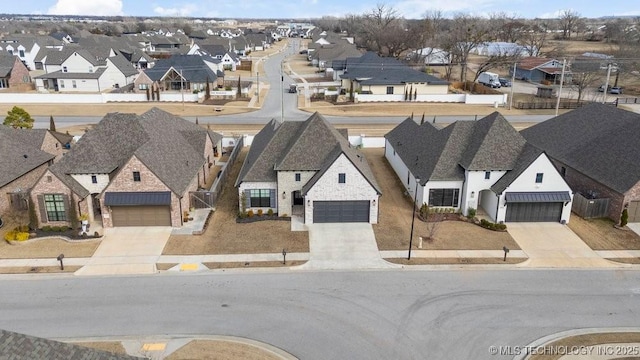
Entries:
{"x":281,"y":94}
{"x":564,"y":64}
{"x":258,"y":74}
{"x":513,"y":81}
{"x":606,"y":84}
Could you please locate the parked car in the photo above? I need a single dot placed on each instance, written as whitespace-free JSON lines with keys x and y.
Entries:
{"x":601,"y":88}
{"x":505,"y":82}
{"x":615,"y":90}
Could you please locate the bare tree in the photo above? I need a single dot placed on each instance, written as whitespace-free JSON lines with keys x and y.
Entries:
{"x":534,"y":38}
{"x":506,"y":27}
{"x":465,"y":33}
{"x":584,"y":74}
{"x":504,"y":58}
{"x":568,"y":22}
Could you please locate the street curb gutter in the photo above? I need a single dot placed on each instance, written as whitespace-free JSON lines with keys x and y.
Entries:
{"x":543,"y":341}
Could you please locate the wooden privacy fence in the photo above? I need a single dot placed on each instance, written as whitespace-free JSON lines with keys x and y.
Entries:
{"x":589,"y":208}
{"x":207,"y":198}
{"x":244,"y":65}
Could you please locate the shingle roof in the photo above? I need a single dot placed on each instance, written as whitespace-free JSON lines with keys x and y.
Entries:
{"x":597,"y":140}
{"x":193,"y":68}
{"x":6,"y":63}
{"x":123,"y":65}
{"x":527,"y":156}
{"x":490,"y":143}
{"x":19,"y":156}
{"x":171,"y":147}
{"x":72,"y":75}
{"x":372,"y":69}
{"x":15,"y":346}
{"x":310,"y":145}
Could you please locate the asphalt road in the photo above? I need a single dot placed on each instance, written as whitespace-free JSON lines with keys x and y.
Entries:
{"x":278,"y":103}
{"x":432,"y":314}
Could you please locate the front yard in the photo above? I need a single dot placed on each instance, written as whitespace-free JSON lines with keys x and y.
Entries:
{"x":394,"y":228}
{"x":225,"y":236}
{"x":600,"y":234}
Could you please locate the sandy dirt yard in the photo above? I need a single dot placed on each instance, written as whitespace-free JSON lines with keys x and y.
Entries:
{"x":220,"y":350}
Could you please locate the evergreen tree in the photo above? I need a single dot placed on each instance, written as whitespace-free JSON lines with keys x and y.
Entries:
{"x":18,"y":118}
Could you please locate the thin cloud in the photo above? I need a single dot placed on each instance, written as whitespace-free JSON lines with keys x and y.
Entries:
{"x":91,"y":7}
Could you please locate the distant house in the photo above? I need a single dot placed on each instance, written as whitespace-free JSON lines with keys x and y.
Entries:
{"x":309,"y":169}
{"x":13,"y":73}
{"x":186,"y":72}
{"x":27,"y":47}
{"x":537,"y":69}
{"x":372,"y":74}
{"x":596,"y":148}
{"x":430,"y":56}
{"x":129,"y":170}
{"x":501,"y":48}
{"x":485,"y":165}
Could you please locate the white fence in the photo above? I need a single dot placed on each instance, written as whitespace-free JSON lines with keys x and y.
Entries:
{"x":442,"y":98}
{"x":15,"y":98}
{"x":366,"y":142}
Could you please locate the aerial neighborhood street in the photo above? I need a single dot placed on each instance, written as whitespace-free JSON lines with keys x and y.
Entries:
{"x":190,"y":188}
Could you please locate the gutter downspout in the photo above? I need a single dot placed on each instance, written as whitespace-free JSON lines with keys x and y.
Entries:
{"x":181,"y":220}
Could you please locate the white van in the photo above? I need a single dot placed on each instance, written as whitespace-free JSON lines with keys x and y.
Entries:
{"x":489,"y":79}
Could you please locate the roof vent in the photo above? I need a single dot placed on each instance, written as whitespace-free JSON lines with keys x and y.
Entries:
{"x":25,"y":156}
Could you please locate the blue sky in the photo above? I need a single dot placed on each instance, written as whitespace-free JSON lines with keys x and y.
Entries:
{"x":318,"y":8}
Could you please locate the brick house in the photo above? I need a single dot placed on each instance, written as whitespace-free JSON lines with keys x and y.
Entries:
{"x":130,"y":170}
{"x":308,"y":168}
{"x":13,"y":73}
{"x":597,"y":149}
{"x":26,"y":154}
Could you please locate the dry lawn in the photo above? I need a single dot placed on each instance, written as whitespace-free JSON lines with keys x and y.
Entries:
{"x":110,"y":346}
{"x":600,"y":234}
{"x":225,"y":236}
{"x":404,"y":109}
{"x":38,"y":269}
{"x":47,"y":248}
{"x":190,"y":109}
{"x":589,"y":340}
{"x":255,"y":264}
{"x":455,"y":261}
{"x":220,"y":350}
{"x":393,"y":230}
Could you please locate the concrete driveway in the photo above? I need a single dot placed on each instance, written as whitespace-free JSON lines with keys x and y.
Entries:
{"x":343,"y":246}
{"x":128,"y":250}
{"x":635,"y":227}
{"x":550,"y":245}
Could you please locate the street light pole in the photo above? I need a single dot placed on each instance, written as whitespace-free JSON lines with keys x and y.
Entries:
{"x":281,"y":94}
{"x":258,"y":74}
{"x":564,"y":64}
{"x":413,"y":218}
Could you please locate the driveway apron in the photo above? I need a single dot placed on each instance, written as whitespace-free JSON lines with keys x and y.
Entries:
{"x":128,"y":250}
{"x":343,"y":246}
{"x":551,"y":245}
{"x":635,"y":227}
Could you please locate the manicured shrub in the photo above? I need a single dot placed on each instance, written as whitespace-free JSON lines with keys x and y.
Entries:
{"x":259,"y":212}
{"x":46,"y":228}
{"x":624,"y":218}
{"x":22,"y":236}
{"x":250,"y":213}
{"x":270,"y":212}
{"x":471,"y":213}
{"x":10,"y":235}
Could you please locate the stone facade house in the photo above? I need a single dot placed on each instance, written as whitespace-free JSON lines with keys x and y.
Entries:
{"x":596,"y":148}
{"x":13,"y":73}
{"x":309,"y":169}
{"x":485,"y":165}
{"x":130,"y":170}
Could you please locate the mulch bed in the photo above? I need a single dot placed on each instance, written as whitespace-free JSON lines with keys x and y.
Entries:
{"x":71,"y":234}
{"x":255,"y":218}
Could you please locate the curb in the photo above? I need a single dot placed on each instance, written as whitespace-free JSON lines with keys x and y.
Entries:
{"x":543,"y":341}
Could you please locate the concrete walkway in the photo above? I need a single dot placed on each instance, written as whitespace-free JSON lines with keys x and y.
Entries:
{"x":635,"y":227}
{"x":553,"y":245}
{"x":343,"y":246}
{"x":127,"y":250}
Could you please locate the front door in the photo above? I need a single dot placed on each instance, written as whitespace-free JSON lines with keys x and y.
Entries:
{"x":297,"y":198}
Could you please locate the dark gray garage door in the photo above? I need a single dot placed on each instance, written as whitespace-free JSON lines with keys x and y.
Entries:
{"x":534,"y":212}
{"x":141,"y":215}
{"x":340,"y":211}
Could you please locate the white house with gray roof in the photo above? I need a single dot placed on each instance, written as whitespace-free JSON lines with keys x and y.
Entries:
{"x":308,"y":168}
{"x":485,"y":165}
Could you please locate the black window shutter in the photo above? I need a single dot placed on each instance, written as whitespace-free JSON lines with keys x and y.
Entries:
{"x":65,"y":199}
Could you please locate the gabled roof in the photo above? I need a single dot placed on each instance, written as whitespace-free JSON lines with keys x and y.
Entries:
{"x":600,"y":141}
{"x":490,"y":143}
{"x":530,"y":63}
{"x":171,"y":147}
{"x":19,"y":346}
{"x":19,"y":156}
{"x":312,"y":145}
{"x":193,"y":68}
{"x":527,"y":156}
{"x":371,"y":69}
{"x":72,"y":75}
{"x":7,"y":61}
{"x":123,"y":65}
